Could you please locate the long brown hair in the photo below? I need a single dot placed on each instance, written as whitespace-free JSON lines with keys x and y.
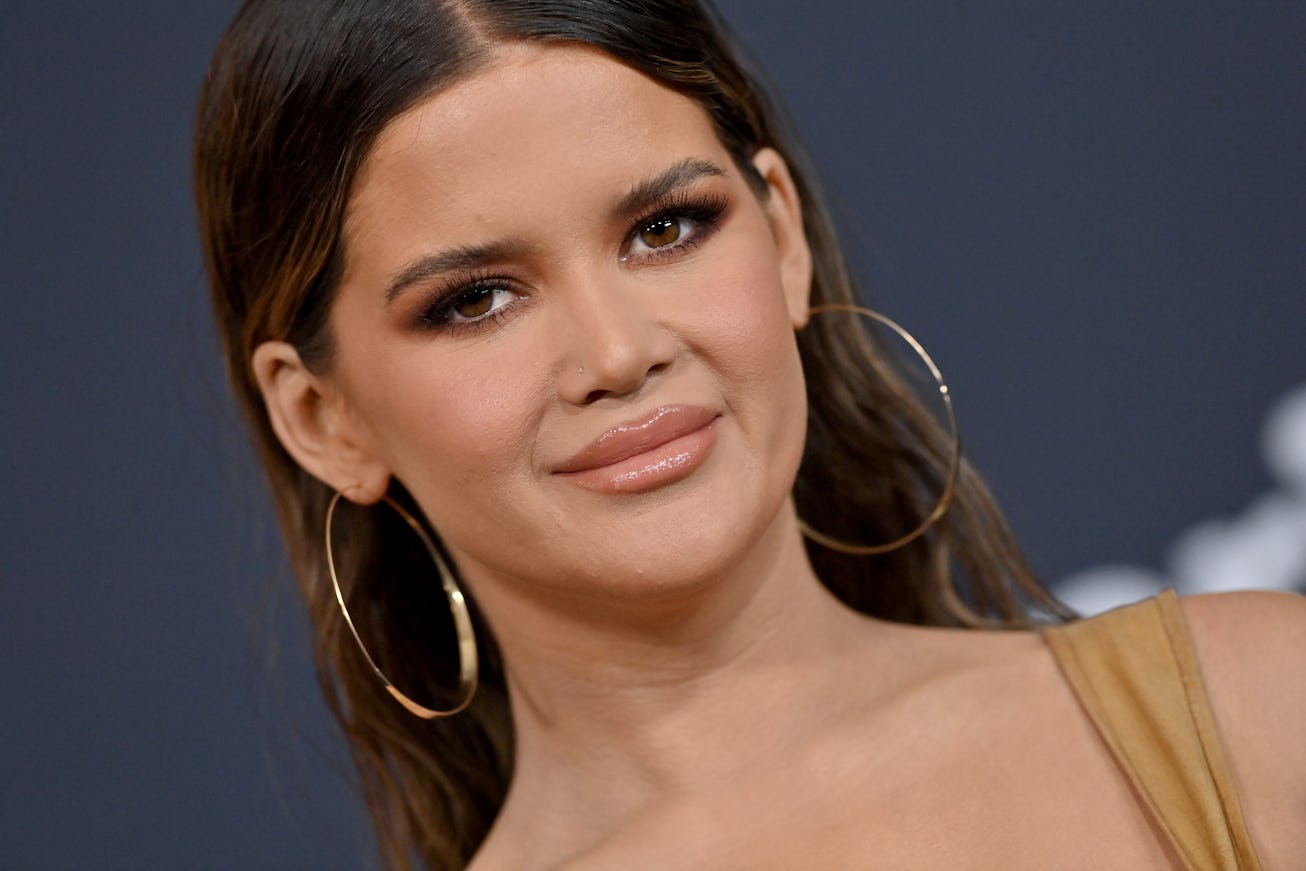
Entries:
{"x":296,"y":95}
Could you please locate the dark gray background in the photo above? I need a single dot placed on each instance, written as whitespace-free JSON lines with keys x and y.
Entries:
{"x":1092,"y":214}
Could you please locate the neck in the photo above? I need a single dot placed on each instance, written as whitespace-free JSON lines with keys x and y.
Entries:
{"x":615,"y":708}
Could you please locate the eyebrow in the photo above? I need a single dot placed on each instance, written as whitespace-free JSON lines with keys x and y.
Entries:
{"x":465,"y":257}
{"x":678,"y":175}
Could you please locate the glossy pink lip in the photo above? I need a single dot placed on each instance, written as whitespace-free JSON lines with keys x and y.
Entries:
{"x":646,"y":453}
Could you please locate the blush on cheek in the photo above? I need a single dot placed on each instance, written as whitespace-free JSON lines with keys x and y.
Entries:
{"x":749,"y":307}
{"x":449,"y":427}
{"x":480,"y":434}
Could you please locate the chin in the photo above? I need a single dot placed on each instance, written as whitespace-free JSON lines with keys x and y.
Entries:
{"x":674,"y":562}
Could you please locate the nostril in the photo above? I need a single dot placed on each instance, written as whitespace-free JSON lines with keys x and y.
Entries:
{"x":624,"y":374}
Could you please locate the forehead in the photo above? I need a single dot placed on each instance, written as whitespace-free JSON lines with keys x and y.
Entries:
{"x":539,"y":124}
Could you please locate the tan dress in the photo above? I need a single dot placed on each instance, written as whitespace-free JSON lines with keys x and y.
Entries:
{"x":1134,"y":671}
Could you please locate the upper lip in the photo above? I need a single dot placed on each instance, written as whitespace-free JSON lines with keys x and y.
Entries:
{"x":626,"y":440}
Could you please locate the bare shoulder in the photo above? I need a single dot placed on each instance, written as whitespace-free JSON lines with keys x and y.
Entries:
{"x":1250,"y":618}
{"x":1251,"y":647}
{"x":1252,"y":651}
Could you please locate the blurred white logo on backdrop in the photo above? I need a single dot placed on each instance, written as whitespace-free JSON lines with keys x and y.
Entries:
{"x":1263,"y":547}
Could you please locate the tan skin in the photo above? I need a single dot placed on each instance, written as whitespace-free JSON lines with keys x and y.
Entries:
{"x":685,"y":692}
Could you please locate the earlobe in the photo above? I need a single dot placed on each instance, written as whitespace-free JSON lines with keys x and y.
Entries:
{"x":309,"y":420}
{"x":785,"y":211}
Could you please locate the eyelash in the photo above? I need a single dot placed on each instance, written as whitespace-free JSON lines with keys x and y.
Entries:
{"x":704,"y":211}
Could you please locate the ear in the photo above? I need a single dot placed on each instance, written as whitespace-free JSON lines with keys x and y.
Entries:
{"x":313,"y":424}
{"x":785,"y":212}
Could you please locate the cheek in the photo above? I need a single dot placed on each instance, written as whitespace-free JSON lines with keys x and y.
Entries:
{"x":745,"y":315}
{"x":446,"y":430}
{"x":469,"y":430}
{"x":755,"y":354}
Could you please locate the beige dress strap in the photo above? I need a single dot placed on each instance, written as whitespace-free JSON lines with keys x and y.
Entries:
{"x":1136,"y":675}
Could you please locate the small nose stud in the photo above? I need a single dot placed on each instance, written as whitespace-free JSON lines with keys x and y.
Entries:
{"x":580,"y":370}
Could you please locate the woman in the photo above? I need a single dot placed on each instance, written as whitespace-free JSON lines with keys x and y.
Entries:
{"x":549,"y":276}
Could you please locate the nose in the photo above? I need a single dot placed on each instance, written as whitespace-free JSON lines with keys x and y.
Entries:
{"x":615,"y":344}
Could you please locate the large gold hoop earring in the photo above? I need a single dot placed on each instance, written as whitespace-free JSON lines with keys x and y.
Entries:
{"x":954,"y":465}
{"x":468,"y":663}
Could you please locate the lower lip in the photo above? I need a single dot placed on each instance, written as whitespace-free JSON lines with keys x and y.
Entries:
{"x":657,"y":467}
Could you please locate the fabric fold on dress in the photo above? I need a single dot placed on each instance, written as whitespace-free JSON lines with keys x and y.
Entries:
{"x":1136,"y":675}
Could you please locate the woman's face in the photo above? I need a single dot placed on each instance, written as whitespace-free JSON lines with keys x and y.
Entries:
{"x":566,"y":325}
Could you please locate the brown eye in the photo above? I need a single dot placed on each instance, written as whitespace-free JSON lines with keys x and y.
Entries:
{"x":475,"y":304}
{"x":660,"y":232}
{"x":482,"y":302}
